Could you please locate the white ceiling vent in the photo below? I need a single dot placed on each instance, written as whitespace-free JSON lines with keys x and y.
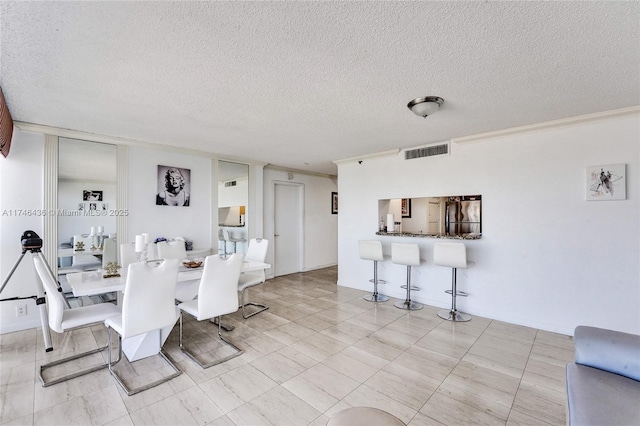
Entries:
{"x":229,"y":183}
{"x":435,"y":150}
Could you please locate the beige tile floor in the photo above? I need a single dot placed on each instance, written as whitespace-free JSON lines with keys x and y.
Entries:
{"x":318,"y":349}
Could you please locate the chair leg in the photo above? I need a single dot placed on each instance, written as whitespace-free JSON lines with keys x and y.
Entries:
{"x":133,"y":391}
{"x":453,"y":314}
{"x":375,"y":296}
{"x":408,"y":304}
{"x":64,"y":378}
{"x":245,"y":303}
{"x":185,"y":350}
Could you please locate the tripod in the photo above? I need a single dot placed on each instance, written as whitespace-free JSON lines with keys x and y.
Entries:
{"x":40,"y":299}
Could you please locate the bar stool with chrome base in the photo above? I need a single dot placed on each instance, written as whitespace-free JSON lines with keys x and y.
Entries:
{"x":409,"y":255}
{"x":372,"y":250}
{"x":454,"y":256}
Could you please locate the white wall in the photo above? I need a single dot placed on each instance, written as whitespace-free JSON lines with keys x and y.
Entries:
{"x":320,"y":226}
{"x":548,"y":258}
{"x":21,"y":188}
{"x":192,"y":222}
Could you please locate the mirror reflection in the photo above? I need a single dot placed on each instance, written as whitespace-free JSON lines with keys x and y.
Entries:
{"x":448,"y":216}
{"x":233,"y":197}
{"x":86,"y":193}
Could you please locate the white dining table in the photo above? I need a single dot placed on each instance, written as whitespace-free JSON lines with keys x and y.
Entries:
{"x":92,"y":283}
{"x":68,"y":252}
{"x":148,"y":344}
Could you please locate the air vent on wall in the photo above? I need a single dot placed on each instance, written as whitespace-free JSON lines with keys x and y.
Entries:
{"x":229,"y":183}
{"x":427,"y":151}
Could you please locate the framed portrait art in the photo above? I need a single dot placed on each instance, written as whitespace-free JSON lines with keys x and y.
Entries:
{"x":174,"y":186}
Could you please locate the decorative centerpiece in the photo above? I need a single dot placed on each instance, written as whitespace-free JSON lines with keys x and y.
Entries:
{"x":192,"y":264}
{"x":111,"y":270}
{"x":79,"y":246}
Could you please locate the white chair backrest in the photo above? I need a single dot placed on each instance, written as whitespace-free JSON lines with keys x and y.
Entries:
{"x":171,"y":250}
{"x":109,"y":251}
{"x":257,"y":250}
{"x":453,"y":255}
{"x":127,"y":256}
{"x":405,"y":254}
{"x":55,"y":299}
{"x":370,"y":250}
{"x":148,"y":303}
{"x":218,"y":290}
{"x":87,"y":241}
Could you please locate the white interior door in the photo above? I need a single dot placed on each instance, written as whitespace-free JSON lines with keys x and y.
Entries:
{"x":287,"y":229}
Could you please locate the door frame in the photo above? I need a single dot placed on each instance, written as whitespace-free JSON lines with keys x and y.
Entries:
{"x":300,"y":210}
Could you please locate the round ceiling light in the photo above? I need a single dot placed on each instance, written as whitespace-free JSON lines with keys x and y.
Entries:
{"x":426,"y":106}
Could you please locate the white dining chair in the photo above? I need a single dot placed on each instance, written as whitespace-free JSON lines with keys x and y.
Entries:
{"x":62,"y":320}
{"x":127,"y":256}
{"x":257,"y":252}
{"x":109,"y":252}
{"x":185,"y":290}
{"x":84,"y":261}
{"x":217,"y":296}
{"x":172,"y":250}
{"x":148,"y":306}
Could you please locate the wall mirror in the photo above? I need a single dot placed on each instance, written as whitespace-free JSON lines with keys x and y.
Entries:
{"x":233,"y":193}
{"x":447,"y":216}
{"x":233,"y":197}
{"x":86,"y":191}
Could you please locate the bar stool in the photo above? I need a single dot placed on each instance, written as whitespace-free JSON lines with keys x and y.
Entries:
{"x":372,"y":250}
{"x":409,"y":255}
{"x":454,"y":256}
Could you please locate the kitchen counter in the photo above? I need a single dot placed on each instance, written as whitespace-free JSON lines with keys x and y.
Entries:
{"x":440,"y":236}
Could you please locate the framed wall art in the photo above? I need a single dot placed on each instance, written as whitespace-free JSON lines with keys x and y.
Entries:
{"x":405,"y":207}
{"x":174,"y":185}
{"x":91,"y":195}
{"x":605,"y":183}
{"x":334,"y":203}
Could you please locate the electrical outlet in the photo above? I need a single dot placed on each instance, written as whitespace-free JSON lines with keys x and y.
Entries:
{"x":21,"y":310}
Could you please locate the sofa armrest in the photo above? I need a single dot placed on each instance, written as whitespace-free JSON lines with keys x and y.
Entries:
{"x":608,"y":350}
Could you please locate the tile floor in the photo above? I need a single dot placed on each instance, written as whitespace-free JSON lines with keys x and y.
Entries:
{"x":318,"y":349}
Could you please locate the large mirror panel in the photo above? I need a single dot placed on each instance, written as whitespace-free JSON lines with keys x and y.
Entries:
{"x":233,"y":196}
{"x":86,"y":199}
{"x":456,"y":216}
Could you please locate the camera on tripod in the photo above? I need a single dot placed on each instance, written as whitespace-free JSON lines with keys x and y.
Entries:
{"x":31,"y":241}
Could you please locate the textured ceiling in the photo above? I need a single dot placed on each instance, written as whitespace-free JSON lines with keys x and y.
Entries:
{"x":300,"y":84}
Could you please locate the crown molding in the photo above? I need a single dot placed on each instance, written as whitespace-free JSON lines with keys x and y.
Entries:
{"x":548,"y":124}
{"x":388,"y":153}
{"x":304,"y":172}
{"x":94,"y":137}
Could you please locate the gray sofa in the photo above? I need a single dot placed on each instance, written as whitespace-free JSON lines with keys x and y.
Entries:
{"x":603,"y":385}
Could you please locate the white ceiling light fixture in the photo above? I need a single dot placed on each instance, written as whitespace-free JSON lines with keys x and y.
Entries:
{"x":426,"y":106}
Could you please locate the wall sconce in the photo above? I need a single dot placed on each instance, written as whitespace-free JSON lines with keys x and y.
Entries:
{"x":426,"y":106}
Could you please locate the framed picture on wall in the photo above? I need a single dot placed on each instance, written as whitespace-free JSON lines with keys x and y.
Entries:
{"x":605,"y":183}
{"x":91,"y":195}
{"x":334,"y":203}
{"x":174,"y":186}
{"x":405,"y":207}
